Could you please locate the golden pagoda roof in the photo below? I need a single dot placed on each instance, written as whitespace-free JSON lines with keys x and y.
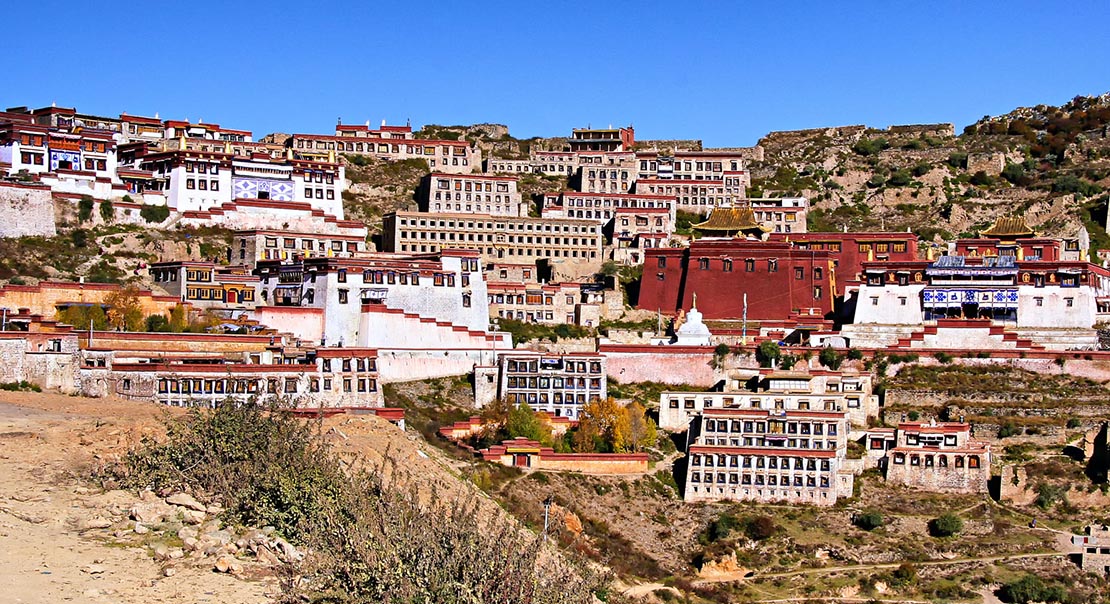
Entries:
{"x":1008,"y":226}
{"x":731,"y":219}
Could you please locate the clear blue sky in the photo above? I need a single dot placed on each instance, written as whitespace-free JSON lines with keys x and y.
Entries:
{"x":725,"y":72}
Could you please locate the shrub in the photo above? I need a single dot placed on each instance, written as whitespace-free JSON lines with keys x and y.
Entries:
{"x":84,"y":208}
{"x":981,"y":179}
{"x":946,"y":525}
{"x":869,"y":520}
{"x":900,"y":178}
{"x":1030,"y":588}
{"x":1007,"y":430}
{"x":1073,"y":422}
{"x":870,"y":146}
{"x":1048,"y":495}
{"x":767,"y":353}
{"x":760,"y":528}
{"x":370,"y":539}
{"x":830,"y":358}
{"x":957,"y":160}
{"x":157,"y":323}
{"x":943,"y":357}
{"x":151,"y":213}
{"x":855,"y":354}
{"x":107,"y":211}
{"x":20,"y":386}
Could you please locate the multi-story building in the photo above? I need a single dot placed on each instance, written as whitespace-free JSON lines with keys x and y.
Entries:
{"x":766,"y":447}
{"x":576,"y":244}
{"x":734,"y":277}
{"x":455,"y":157}
{"x":207,"y":285}
{"x":607,"y":172}
{"x":448,"y":287}
{"x":850,"y":251}
{"x":1094,"y":556}
{"x":385,"y":132}
{"x":558,"y":384}
{"x":321,"y":377}
{"x":694,"y":165}
{"x":1003,"y":291}
{"x":203,"y":180}
{"x":250,"y":247}
{"x":548,"y":163}
{"x":782,"y":214}
{"x":603,"y":206}
{"x":697,"y":196}
{"x":939,"y":457}
{"x":551,"y":303}
{"x":602,"y":139}
{"x":472,"y":194}
{"x":847,"y":392}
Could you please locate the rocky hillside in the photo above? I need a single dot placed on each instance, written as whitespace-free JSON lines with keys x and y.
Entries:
{"x":1049,"y":164}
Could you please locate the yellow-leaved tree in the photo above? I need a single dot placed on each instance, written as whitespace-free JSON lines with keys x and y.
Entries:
{"x":605,"y":426}
{"x":125,"y":312}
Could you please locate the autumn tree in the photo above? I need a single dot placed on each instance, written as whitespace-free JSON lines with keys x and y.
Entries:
{"x":179,"y":319}
{"x":641,"y":428}
{"x":81,"y":317}
{"x":603,"y":426}
{"x":125,"y":312}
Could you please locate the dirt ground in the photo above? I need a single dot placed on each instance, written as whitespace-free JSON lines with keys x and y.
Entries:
{"x":49,"y":550}
{"x":64,"y":539}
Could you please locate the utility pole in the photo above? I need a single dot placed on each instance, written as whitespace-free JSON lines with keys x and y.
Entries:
{"x":546,"y":511}
{"x":744,"y":332}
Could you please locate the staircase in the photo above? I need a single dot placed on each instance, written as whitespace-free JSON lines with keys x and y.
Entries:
{"x":969,"y":334}
{"x":393,"y":328}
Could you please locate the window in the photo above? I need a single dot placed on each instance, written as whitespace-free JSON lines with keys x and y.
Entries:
{"x":703,"y":264}
{"x":799,"y":273}
{"x":749,"y":265}
{"x":726,"y":265}
{"x":1069,"y":302}
{"x":342,"y":296}
{"x":1038,"y":301}
{"x":662,"y":262}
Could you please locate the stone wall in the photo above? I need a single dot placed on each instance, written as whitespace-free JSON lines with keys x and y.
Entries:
{"x":27,"y":210}
{"x":691,"y":365}
{"x":990,"y":163}
{"x":943,"y":480}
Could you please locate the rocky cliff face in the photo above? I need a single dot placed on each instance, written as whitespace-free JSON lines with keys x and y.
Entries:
{"x":1049,"y":164}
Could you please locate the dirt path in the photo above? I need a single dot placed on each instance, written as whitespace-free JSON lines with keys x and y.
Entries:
{"x":45,"y":555}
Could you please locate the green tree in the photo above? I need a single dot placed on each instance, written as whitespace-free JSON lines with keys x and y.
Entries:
{"x":830,"y":358}
{"x":600,"y":426}
{"x":157,"y":323}
{"x":107,"y":211}
{"x":946,"y":525}
{"x":768,"y":353}
{"x":523,"y":422}
{"x":84,"y":208}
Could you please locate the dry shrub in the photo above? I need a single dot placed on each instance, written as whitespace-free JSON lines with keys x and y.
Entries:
{"x":368,"y":539}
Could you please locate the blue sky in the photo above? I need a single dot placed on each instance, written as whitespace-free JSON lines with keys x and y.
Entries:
{"x":725,"y":72}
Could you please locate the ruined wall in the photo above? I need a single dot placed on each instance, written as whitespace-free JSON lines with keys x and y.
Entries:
{"x":990,"y":163}
{"x":27,"y":210}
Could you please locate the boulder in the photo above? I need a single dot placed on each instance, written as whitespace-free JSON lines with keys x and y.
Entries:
{"x":228,"y":564}
{"x":186,"y":500}
{"x":151,"y":512}
{"x":192,"y":516}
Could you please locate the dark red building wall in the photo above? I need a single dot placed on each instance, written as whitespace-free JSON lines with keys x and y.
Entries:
{"x":777,"y":278}
{"x":850,"y":257}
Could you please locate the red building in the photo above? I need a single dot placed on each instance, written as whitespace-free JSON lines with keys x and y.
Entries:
{"x":850,"y":250}
{"x":778,"y":279}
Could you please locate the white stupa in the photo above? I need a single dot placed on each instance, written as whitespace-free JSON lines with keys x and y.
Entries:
{"x":693,"y":332}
